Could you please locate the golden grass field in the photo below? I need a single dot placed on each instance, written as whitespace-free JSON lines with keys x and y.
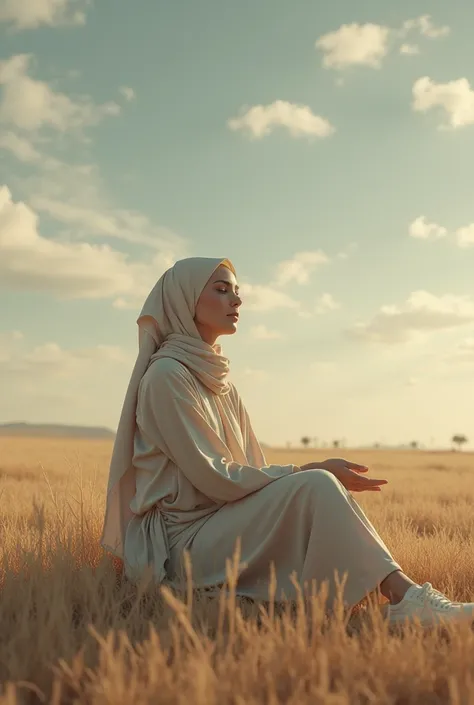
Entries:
{"x":71,"y":632}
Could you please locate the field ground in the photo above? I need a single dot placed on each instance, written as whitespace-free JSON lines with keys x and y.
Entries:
{"x":72,"y":633}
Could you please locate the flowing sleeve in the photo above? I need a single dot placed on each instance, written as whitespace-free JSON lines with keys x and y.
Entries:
{"x":170,"y":416}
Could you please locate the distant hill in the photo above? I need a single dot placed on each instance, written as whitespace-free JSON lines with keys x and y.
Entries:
{"x":55,"y":431}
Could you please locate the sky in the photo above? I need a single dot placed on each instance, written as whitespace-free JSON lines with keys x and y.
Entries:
{"x":325,"y":148}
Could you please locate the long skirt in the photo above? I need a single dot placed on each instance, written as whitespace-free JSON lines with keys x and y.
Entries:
{"x":306,"y":524}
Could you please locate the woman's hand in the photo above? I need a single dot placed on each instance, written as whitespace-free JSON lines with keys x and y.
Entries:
{"x":349,"y":474}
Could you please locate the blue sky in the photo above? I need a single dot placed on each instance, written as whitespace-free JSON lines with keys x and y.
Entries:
{"x":326,"y":150}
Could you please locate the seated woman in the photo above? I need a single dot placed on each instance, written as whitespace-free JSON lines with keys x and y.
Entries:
{"x":187,"y":472}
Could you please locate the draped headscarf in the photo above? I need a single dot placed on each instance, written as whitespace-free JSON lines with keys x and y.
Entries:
{"x":166,"y":328}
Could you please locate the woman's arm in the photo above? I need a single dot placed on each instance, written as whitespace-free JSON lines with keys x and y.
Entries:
{"x":169,"y":416}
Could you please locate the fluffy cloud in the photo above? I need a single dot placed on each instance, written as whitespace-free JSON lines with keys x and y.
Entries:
{"x":261,"y":332}
{"x":422,"y":229}
{"x":426,"y":27}
{"x":368,"y":44}
{"x":409,"y":49}
{"x":20,"y":147}
{"x":29,"y":14}
{"x":325,"y":303}
{"x":299,"y":268}
{"x":465,"y":236}
{"x":69,"y":269}
{"x":455,"y":98}
{"x":266,"y":298}
{"x":30,"y":104}
{"x":127,"y":93}
{"x":118,"y":223}
{"x":421,"y":313}
{"x":355,"y":44}
{"x":299,"y":120}
{"x":51,"y":359}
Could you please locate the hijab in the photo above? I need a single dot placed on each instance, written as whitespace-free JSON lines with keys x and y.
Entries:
{"x":166,"y":328}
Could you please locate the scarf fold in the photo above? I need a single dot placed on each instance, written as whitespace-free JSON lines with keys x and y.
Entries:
{"x":166,"y":328}
{"x":204,"y":361}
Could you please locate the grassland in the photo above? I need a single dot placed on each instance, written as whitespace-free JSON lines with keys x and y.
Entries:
{"x":71,"y":632}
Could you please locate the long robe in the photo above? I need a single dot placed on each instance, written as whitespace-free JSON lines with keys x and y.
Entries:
{"x":199,"y":489}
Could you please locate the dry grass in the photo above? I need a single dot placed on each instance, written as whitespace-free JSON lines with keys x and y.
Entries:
{"x":72,"y":633}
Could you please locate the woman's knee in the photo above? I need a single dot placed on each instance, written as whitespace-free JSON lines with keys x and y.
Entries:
{"x":319,"y":479}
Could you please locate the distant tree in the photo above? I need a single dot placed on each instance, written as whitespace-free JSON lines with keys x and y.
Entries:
{"x":459,"y":440}
{"x":414,"y":445}
{"x":315,"y":441}
{"x":335,"y":444}
{"x":306,"y":441}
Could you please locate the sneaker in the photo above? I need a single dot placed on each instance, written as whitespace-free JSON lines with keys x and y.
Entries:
{"x":430,"y":606}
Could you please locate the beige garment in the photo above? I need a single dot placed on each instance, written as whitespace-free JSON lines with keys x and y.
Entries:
{"x":166,"y":328}
{"x":199,"y":490}
{"x":188,"y":463}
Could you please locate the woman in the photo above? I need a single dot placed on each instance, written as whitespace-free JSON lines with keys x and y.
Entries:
{"x":187,"y":471}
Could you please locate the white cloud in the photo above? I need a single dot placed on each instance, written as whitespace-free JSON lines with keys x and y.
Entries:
{"x":455,"y":98}
{"x":409,"y":49}
{"x":53,"y":359}
{"x":465,"y":236}
{"x":260,"y":120}
{"x":29,"y":14}
{"x":422,"y":229}
{"x":20,"y":147}
{"x":325,"y":303}
{"x":261,"y":332}
{"x":265,"y":298}
{"x":117,"y":223}
{"x":369,"y":44}
{"x":32,"y":262}
{"x":422,"y":313}
{"x":127,"y":93}
{"x":30,"y":104}
{"x":299,"y":267}
{"x":355,"y":44}
{"x":426,"y":27}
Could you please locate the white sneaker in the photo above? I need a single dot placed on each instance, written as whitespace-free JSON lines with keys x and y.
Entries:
{"x":430,"y":606}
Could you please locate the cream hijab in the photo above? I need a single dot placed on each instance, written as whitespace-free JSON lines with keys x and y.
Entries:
{"x":165,"y":329}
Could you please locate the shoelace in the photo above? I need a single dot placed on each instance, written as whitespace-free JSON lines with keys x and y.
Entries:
{"x":435,"y":597}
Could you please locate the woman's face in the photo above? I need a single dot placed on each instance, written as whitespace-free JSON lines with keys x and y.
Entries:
{"x":218,"y":301}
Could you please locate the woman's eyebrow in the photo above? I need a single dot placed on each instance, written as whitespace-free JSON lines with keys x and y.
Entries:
{"x":223,"y":281}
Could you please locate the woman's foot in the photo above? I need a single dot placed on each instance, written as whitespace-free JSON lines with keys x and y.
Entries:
{"x":429,"y":606}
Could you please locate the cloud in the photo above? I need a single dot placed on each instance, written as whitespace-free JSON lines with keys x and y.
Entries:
{"x":51,"y":358}
{"x":261,"y":332}
{"x":369,"y":44}
{"x":455,"y":98}
{"x":260,"y":120}
{"x":30,"y":14}
{"x":299,"y":268}
{"x":30,"y":104}
{"x":117,"y":223}
{"x":422,"y":313}
{"x":426,"y":27}
{"x":409,"y":49}
{"x":355,"y":44}
{"x":20,"y":147}
{"x":265,"y":298}
{"x":29,"y":261}
{"x":422,"y":229}
{"x":326,"y":303}
{"x":127,"y":93}
{"x":465,"y":236}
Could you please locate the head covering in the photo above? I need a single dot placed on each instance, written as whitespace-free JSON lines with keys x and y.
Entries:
{"x":166,"y":328}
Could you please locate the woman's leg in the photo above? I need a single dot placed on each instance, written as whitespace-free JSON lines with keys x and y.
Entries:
{"x":306,"y":524}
